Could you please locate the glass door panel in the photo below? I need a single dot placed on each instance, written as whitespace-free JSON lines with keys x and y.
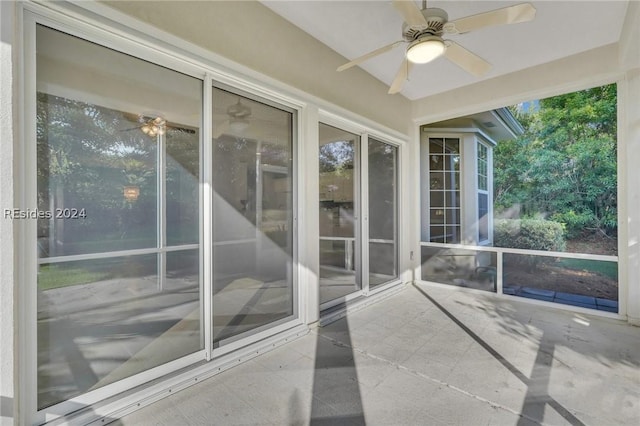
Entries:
{"x":338,"y":213}
{"x":118,"y":162}
{"x":252,"y":215}
{"x":383,"y":212}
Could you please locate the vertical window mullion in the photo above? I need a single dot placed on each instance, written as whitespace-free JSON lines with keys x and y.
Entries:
{"x":362,"y":155}
{"x":206,"y":215}
{"x":396,"y":212}
{"x":161,"y":188}
{"x":28,"y":229}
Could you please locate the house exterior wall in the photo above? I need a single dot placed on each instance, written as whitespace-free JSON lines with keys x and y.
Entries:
{"x":8,"y":106}
{"x":630,"y":192}
{"x":629,"y":154}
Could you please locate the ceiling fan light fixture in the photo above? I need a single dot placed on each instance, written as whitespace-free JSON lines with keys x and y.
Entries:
{"x":238,"y":125}
{"x":425,"y":49}
{"x":153,"y":126}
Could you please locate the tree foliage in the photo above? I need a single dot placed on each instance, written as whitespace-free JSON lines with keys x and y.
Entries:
{"x":564,"y":166}
{"x":336,"y":156}
{"x":86,"y":155}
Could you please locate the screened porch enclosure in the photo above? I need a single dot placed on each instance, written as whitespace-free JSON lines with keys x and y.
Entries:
{"x":525,"y":210}
{"x":203,"y":204}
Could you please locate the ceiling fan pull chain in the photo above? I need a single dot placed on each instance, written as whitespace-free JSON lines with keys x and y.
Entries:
{"x":407,"y":62}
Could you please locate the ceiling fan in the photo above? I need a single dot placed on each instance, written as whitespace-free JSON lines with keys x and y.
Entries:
{"x":423,"y":30}
{"x":236,"y":120}
{"x":153,"y":124}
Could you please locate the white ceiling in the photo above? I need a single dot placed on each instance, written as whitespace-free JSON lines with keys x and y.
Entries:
{"x":560,"y":29}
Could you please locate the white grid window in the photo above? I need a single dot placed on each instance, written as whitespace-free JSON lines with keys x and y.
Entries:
{"x":444,"y":190}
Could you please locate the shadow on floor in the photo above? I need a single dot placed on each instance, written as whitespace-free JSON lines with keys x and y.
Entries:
{"x":336,"y":398}
{"x":537,"y":396}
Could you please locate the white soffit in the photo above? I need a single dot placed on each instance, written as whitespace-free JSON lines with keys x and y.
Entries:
{"x":560,"y":29}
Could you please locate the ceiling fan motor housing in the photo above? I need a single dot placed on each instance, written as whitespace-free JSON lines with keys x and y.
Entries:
{"x":436,"y":19}
{"x":238,"y":110}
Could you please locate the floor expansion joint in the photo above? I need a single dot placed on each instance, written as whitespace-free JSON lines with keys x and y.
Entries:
{"x":420,"y":375}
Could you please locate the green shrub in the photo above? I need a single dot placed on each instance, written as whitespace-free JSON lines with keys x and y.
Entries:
{"x":575,"y":223}
{"x":531,"y":234}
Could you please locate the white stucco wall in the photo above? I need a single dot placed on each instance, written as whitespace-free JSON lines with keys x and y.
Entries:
{"x":7,"y":336}
{"x":629,"y":191}
{"x":629,"y":117}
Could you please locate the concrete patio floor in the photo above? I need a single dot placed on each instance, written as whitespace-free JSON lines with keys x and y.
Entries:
{"x":429,"y":356}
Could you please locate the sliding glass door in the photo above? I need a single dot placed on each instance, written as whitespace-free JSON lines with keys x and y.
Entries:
{"x":118,"y":171}
{"x":357,"y":251}
{"x":252,"y":215}
{"x":383,"y":212}
{"x":136,"y":275}
{"x":339,"y":253}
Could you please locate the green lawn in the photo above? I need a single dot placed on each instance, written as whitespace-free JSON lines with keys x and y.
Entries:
{"x":54,"y":276}
{"x":607,"y":269}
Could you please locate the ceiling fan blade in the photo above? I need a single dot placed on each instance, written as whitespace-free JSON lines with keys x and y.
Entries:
{"x":181,"y":130}
{"x":369,"y":55}
{"x":410,"y":13}
{"x":220,"y":129}
{"x":508,"y":15}
{"x":401,"y":77}
{"x":466,"y":60}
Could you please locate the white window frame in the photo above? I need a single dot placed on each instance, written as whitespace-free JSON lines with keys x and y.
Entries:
{"x":425,"y":193}
{"x":488,"y":192}
{"x":235,"y":342}
{"x":399,"y":212}
{"x":347,"y":126}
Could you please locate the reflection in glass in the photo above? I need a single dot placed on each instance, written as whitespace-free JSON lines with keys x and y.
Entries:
{"x":117,"y":138}
{"x":87,"y":156}
{"x":383,"y":212}
{"x":103,"y":320}
{"x":183,"y":176}
{"x":483,"y":217}
{"x":338,"y":276}
{"x":252,"y":215}
{"x":452,"y":145}
{"x":460,"y":267}
{"x":579,"y":282}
